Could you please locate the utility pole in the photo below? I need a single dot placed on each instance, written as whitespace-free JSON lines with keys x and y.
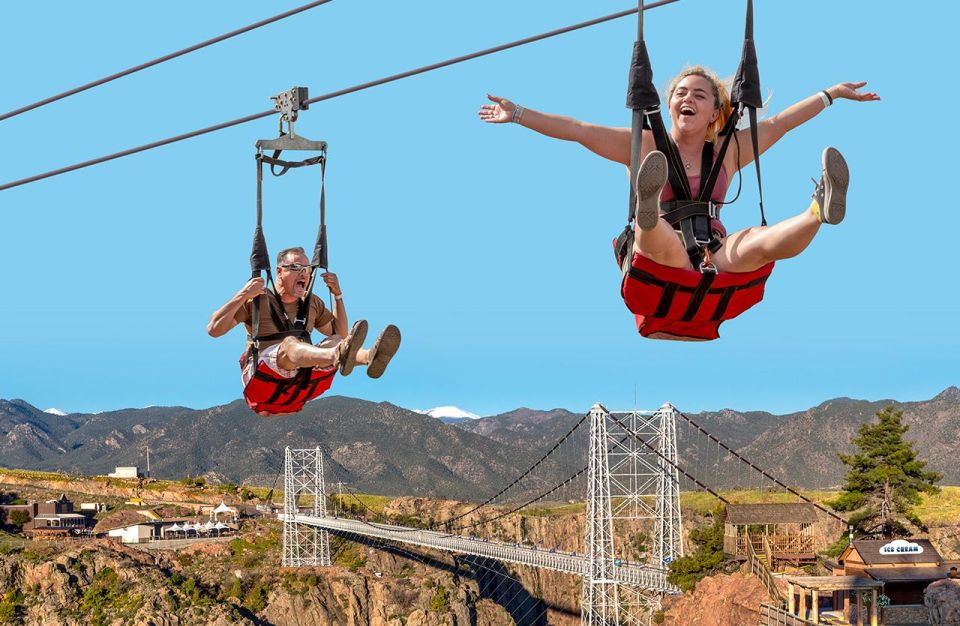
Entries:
{"x":148,"y":461}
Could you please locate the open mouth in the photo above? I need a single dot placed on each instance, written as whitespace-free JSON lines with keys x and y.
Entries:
{"x":301,"y":284}
{"x":687,"y":110}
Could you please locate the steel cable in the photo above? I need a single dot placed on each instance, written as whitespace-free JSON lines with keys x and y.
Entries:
{"x":159,"y":60}
{"x":328,"y":96}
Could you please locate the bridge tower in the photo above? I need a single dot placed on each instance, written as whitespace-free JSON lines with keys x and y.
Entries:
{"x":304,"y":545}
{"x":600,"y":601}
{"x":668,"y":537}
{"x":634,"y":480}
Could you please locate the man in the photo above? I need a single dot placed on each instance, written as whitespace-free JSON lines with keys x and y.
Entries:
{"x":290,"y":369}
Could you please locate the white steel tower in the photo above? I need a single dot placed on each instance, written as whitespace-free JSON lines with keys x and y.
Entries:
{"x":304,"y":545}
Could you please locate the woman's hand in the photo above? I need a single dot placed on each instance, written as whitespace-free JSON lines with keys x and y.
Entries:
{"x":501,"y":112}
{"x":850,"y":91}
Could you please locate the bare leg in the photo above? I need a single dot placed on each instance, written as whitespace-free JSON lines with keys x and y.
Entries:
{"x":662,"y":245}
{"x":363,"y":356}
{"x":294,"y":354}
{"x":754,"y":247}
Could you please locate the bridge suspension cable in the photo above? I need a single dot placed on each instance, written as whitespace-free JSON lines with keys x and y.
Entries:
{"x":162,"y":59}
{"x":524,"y":474}
{"x":328,"y":96}
{"x":760,"y":470}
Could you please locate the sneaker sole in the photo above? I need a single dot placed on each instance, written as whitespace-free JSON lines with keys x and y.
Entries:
{"x":836,"y":175}
{"x":387,"y":345}
{"x":358,"y":334}
{"x":650,"y":181}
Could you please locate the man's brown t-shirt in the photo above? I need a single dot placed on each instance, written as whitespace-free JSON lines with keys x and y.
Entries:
{"x":318,"y":317}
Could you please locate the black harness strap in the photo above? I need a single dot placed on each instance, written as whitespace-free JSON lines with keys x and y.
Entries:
{"x":706,"y":279}
{"x":692,"y":217}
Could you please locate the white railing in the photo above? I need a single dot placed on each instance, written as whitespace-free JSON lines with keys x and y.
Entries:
{"x":633,"y":574}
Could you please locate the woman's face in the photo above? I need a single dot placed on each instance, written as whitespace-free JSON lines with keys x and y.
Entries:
{"x":693,"y":105}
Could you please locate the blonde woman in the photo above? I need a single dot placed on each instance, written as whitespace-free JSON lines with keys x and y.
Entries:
{"x":698,"y":104}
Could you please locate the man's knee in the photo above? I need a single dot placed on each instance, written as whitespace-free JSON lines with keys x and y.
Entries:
{"x":286,"y":353}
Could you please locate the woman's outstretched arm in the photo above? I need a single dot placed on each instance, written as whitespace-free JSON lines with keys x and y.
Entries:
{"x":610,"y":143}
{"x":771,"y":130}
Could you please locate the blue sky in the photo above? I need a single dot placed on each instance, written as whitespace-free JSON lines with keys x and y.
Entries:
{"x":488,"y":245}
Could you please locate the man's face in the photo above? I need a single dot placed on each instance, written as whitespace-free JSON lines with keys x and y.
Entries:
{"x":293,"y":275}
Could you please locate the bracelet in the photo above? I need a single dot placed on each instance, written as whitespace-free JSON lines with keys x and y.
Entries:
{"x":338,"y":297}
{"x":826,"y":98}
{"x":517,"y":114}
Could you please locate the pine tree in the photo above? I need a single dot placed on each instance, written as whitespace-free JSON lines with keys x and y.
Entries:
{"x":885,"y":479}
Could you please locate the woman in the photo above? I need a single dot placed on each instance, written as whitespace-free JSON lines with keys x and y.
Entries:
{"x":699,"y":104}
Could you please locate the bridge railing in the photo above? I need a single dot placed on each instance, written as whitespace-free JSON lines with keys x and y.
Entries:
{"x":633,"y":574}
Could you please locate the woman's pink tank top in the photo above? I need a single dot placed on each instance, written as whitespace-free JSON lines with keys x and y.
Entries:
{"x":718,"y":195}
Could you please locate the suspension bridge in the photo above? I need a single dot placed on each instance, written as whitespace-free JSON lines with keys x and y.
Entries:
{"x":633,"y":472}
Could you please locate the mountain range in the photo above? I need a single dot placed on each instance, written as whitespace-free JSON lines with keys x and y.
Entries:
{"x":383,"y":448}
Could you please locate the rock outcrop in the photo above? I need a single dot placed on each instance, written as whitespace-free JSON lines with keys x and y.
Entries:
{"x":942,"y":599}
{"x":718,"y":601}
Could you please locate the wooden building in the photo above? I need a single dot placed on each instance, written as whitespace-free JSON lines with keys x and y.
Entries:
{"x":778,"y":533}
{"x":905,"y":567}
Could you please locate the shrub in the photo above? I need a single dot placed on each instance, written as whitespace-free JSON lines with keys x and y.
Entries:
{"x":440,"y":602}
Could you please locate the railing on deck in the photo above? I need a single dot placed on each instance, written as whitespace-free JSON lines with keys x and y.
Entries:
{"x":759,"y":569}
{"x":776,"y":616}
{"x":779,"y":544}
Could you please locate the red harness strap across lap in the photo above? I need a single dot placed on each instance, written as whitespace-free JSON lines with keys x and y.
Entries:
{"x":674,"y":303}
{"x":267,"y":392}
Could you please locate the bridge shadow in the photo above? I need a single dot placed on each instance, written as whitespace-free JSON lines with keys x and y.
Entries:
{"x":494,"y":581}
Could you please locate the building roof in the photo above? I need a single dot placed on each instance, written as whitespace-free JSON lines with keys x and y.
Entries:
{"x":869,"y":551}
{"x":922,"y":573}
{"x":747,"y":514}
{"x":835,"y":583}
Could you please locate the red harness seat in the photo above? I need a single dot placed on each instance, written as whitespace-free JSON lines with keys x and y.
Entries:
{"x":266,"y":392}
{"x":674,"y":303}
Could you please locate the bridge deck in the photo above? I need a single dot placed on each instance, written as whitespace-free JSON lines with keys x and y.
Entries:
{"x":633,"y":574}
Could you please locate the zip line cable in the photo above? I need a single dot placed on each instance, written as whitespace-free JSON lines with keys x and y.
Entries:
{"x":159,"y":60}
{"x":328,"y":96}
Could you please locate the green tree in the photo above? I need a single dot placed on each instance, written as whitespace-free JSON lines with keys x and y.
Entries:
{"x":18,"y":517}
{"x":885,"y":479}
{"x":707,"y":557}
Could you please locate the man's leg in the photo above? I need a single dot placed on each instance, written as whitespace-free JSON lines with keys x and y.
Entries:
{"x":294,"y":354}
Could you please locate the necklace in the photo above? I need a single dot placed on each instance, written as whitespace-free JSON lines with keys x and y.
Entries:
{"x":687,"y":164}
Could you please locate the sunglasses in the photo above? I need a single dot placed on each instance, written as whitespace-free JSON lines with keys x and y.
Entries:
{"x":295,"y":267}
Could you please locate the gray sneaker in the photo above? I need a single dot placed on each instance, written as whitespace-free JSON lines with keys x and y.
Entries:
{"x":651,"y":178}
{"x":346,"y":355}
{"x":831,"y":191}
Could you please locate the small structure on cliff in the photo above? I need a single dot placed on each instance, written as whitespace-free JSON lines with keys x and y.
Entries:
{"x":906,"y":566}
{"x":780,"y":533}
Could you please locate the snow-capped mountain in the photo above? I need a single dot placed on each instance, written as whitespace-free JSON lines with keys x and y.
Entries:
{"x":449,"y":414}
{"x":55,"y":411}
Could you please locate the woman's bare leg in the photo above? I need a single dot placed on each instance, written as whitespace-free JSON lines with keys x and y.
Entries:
{"x":662,"y":245}
{"x":752,"y":248}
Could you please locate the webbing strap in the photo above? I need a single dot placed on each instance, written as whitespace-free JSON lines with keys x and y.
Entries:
{"x":706,"y":279}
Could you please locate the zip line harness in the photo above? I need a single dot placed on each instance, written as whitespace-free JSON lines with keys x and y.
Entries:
{"x":674,"y":303}
{"x":267,"y":392}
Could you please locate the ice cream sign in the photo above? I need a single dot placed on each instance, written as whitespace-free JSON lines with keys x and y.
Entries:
{"x":901,"y":546}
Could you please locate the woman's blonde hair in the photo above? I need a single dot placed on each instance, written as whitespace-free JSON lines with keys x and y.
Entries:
{"x":721,"y":96}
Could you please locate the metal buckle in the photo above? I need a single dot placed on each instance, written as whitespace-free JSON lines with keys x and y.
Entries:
{"x":707,"y":267}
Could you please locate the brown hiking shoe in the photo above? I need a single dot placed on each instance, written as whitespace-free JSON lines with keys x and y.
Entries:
{"x":383,"y":350}
{"x":346,"y":352}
